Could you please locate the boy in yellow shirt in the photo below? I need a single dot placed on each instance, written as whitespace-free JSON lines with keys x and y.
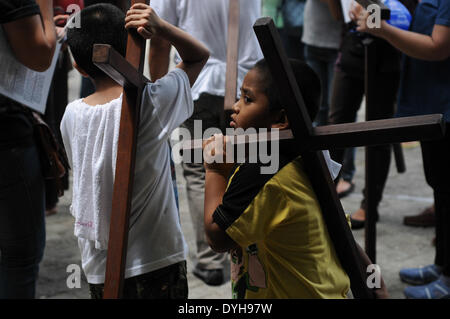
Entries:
{"x":271,"y":223}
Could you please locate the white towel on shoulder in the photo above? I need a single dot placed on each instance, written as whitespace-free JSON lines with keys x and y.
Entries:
{"x":93,"y":143}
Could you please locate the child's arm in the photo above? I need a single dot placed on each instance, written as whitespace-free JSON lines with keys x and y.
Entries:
{"x":159,"y":58}
{"x":380,"y":293}
{"x":193,"y":53}
{"x":215,"y":185}
{"x":420,"y":46}
{"x":33,"y":41}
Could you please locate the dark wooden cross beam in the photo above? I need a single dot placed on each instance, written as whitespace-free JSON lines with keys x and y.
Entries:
{"x":127,"y":72}
{"x":377,"y":132}
{"x":314,"y":161}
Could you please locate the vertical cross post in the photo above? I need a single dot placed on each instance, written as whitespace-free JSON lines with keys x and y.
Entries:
{"x":124,"y":176}
{"x":314,"y":162}
{"x":232,"y":54}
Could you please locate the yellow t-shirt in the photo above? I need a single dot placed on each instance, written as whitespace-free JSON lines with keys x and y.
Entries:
{"x":285,"y":250}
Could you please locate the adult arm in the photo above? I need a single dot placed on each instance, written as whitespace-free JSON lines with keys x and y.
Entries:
{"x":192,"y":52}
{"x":33,"y":40}
{"x":434,"y":47}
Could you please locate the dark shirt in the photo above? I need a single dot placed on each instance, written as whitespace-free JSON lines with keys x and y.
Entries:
{"x":425,"y":85}
{"x":15,"y":128}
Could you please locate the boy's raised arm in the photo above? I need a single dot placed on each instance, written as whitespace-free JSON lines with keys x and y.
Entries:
{"x":159,"y":58}
{"x":192,"y":52}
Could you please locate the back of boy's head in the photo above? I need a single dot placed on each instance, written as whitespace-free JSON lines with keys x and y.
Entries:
{"x":307,"y":80}
{"x":101,"y":23}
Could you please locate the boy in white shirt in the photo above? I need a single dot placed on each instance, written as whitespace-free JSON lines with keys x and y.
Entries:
{"x":156,"y":266}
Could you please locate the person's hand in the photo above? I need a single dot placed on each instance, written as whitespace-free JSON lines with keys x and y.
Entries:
{"x":215,"y":155}
{"x":60,"y":22}
{"x":360,"y":16}
{"x":144,"y":19}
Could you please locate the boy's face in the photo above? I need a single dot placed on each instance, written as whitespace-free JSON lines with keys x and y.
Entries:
{"x":252,"y":109}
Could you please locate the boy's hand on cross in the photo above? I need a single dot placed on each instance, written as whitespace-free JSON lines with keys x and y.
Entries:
{"x":215,"y":155}
{"x":144,"y":19}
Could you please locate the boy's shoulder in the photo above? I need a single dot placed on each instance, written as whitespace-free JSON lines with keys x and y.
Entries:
{"x":249,"y":179}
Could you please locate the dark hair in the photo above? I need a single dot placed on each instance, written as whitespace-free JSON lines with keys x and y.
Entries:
{"x":307,"y":80}
{"x":123,"y":5}
{"x":100,"y":23}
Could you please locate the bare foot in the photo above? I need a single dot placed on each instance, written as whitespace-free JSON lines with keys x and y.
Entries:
{"x":360,"y":215}
{"x":344,"y":188}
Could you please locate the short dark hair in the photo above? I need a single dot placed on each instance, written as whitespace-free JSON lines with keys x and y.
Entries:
{"x":307,"y":80}
{"x":99,"y":23}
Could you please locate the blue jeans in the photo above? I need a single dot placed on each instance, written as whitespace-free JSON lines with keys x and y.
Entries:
{"x":322,"y":61}
{"x":22,"y":221}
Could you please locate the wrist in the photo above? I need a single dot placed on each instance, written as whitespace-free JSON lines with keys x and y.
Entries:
{"x":163,"y":29}
{"x":382,"y":30}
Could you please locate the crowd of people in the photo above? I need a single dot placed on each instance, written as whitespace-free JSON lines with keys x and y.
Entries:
{"x":269,"y":225}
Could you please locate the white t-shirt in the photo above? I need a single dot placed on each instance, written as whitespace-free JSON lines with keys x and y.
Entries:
{"x":90,"y":135}
{"x":320,"y":29}
{"x":207,"y":21}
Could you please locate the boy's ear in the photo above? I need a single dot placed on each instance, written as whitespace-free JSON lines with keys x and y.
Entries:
{"x":79,"y":69}
{"x":280,"y":120}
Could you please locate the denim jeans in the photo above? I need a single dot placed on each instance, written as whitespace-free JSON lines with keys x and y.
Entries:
{"x":22,"y":221}
{"x":348,"y":92}
{"x":322,"y":61}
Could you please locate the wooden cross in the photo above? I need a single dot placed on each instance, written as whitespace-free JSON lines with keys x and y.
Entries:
{"x":231,"y":74}
{"x":128,"y":73}
{"x":314,"y":161}
{"x":232,"y":55}
{"x":309,"y":139}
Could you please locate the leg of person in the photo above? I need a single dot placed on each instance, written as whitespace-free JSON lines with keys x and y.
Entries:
{"x":22,"y":223}
{"x":435,"y":279}
{"x":345,"y":185}
{"x":166,"y":283}
{"x":383,"y":108}
{"x":320,"y":59}
{"x":209,"y":267}
{"x":348,"y":91}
